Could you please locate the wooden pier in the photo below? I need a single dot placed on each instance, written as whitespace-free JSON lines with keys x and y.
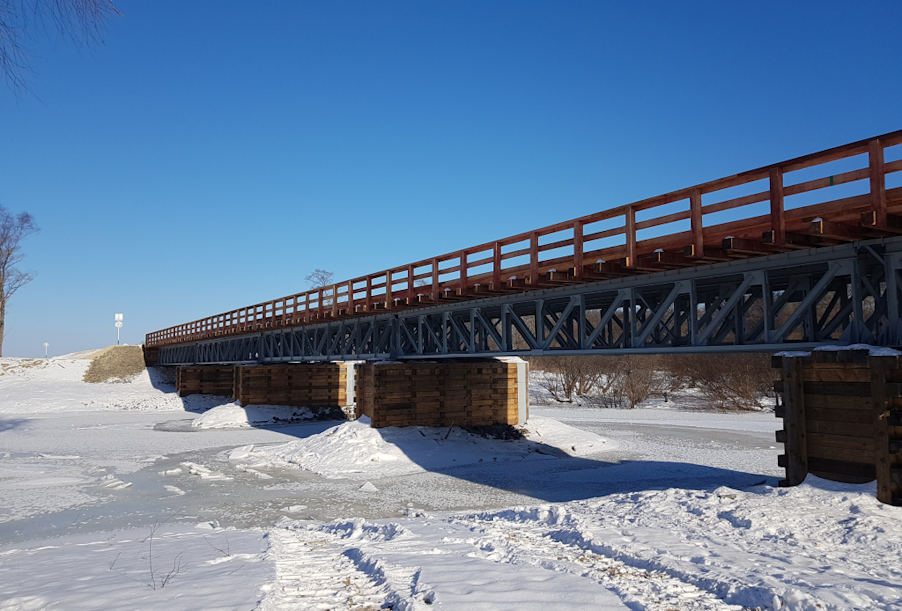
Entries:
{"x":842,"y":415}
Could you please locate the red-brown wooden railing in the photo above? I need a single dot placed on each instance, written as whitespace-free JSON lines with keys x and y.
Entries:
{"x":581,"y":249}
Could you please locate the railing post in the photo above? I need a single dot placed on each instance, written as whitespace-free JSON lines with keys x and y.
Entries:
{"x":534,"y":257}
{"x":578,"y":249}
{"x":410,"y":294}
{"x":695,"y":214}
{"x":777,"y":218}
{"x":463,"y":272}
{"x":434,"y":279}
{"x":630,"y":214}
{"x":496,"y":266}
{"x":369,"y":293}
{"x":878,"y":182}
{"x":334,"y":301}
{"x":388,"y":296}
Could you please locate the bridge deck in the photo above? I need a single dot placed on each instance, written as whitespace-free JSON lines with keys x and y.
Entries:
{"x":676,"y":230}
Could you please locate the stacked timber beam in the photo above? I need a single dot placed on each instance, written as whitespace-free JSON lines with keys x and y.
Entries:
{"x":205,"y":380}
{"x":309,"y":385}
{"x":842,"y":414}
{"x":464,"y":393}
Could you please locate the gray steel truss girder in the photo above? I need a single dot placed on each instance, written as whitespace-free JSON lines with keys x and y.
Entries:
{"x":840,"y":294}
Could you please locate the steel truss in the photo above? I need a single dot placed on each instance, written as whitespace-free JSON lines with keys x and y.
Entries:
{"x":841,"y":294}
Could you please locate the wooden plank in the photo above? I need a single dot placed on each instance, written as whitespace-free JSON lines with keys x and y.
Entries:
{"x":837,"y":374}
{"x":837,"y":441}
{"x":854,"y":416}
{"x":836,"y":231}
{"x":794,"y":423}
{"x":847,"y":429}
{"x":842,"y":467}
{"x":828,"y":181}
{"x":837,"y":453}
{"x":844,"y":389}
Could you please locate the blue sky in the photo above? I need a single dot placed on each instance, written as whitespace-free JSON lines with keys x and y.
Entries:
{"x":209,"y":155}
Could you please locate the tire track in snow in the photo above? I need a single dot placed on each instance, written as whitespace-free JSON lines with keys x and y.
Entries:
{"x":317,"y":569}
{"x":517,"y":543}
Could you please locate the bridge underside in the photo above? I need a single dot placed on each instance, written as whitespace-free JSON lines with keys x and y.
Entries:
{"x":842,"y":294}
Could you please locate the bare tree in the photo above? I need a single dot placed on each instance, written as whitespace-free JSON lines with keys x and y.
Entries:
{"x":320,"y":278}
{"x":13,"y":229}
{"x":81,"y":20}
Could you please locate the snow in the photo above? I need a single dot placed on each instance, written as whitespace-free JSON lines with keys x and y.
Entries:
{"x":730,"y":421}
{"x":656,"y":508}
{"x":55,"y":385}
{"x":190,"y":570}
{"x":871,"y":350}
{"x":356,"y":450}
{"x":234,"y":416}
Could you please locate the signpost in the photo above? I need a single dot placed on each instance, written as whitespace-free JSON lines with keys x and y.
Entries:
{"x":118,"y":326}
{"x":46,"y":345}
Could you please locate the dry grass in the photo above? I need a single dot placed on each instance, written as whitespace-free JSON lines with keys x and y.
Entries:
{"x":115,"y":364}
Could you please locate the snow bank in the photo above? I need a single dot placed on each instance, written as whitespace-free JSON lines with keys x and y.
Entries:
{"x":356,"y":450}
{"x":233,"y":416}
{"x":31,"y":386}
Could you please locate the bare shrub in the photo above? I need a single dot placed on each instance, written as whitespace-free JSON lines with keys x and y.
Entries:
{"x":638,"y":378}
{"x":566,"y":376}
{"x":730,"y":381}
{"x":600,"y":381}
{"x":672,"y":375}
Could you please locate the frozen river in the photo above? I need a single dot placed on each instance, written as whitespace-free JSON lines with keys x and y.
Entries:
{"x":59,"y":471}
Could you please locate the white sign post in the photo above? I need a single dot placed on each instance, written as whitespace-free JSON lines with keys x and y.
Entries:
{"x":46,"y":345}
{"x":118,"y":326}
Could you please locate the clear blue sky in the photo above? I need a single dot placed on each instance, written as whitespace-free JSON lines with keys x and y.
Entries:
{"x":211,"y":154}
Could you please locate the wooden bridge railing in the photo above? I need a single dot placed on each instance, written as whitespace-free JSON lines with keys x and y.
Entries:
{"x":677,"y":229}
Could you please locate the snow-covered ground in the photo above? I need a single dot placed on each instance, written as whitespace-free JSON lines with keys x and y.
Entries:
{"x":30,"y":386}
{"x":117,"y":496}
{"x":356,"y":450}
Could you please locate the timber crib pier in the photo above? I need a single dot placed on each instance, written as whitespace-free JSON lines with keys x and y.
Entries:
{"x":842,"y":419}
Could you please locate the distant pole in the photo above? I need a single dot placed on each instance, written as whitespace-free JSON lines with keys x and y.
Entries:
{"x":118,"y":326}
{"x":46,"y":345}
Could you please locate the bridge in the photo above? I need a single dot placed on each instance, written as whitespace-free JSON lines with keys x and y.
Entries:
{"x":800,"y":253}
